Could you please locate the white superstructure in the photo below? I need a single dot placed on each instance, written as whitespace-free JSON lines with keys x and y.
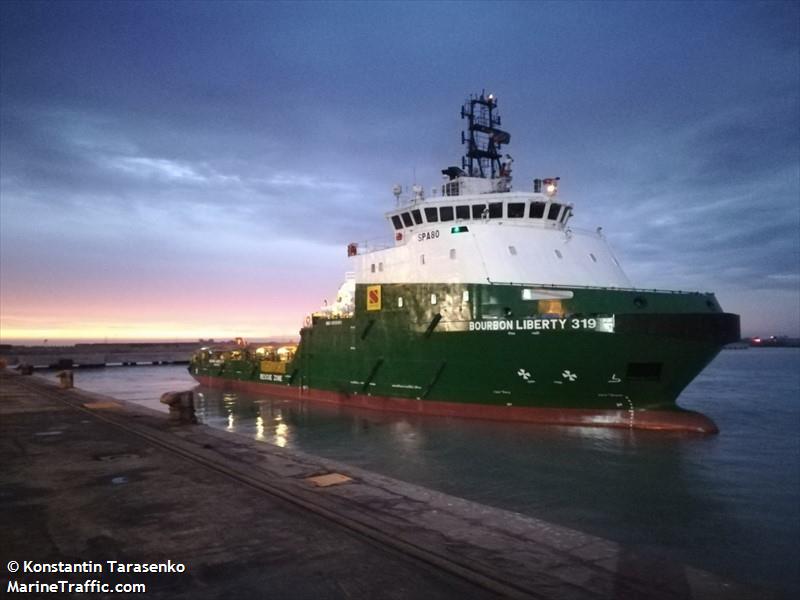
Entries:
{"x":478,"y":231}
{"x":490,"y":238}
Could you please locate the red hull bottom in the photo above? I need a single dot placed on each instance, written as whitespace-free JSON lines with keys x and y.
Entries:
{"x":661,"y":420}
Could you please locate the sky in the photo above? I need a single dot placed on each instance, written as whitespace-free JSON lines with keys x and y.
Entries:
{"x":178,"y":170}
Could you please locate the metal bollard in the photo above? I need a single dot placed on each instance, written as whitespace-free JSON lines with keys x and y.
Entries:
{"x":66,"y":379}
{"x":181,"y":407}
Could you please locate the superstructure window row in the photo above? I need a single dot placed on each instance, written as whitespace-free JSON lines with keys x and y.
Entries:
{"x":482,"y":211}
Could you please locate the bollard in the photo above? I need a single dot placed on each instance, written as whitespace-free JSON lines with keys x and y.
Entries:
{"x":181,"y":407}
{"x":26,"y":369}
{"x":66,"y":379}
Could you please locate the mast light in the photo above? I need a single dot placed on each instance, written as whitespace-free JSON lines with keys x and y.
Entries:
{"x":551,"y":186}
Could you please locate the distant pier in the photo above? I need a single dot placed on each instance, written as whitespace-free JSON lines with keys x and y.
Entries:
{"x":98,"y":355}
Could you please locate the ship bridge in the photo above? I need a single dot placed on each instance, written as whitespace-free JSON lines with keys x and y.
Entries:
{"x":512,"y":237}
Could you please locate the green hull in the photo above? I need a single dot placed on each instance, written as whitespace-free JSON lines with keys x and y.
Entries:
{"x":590,"y":349}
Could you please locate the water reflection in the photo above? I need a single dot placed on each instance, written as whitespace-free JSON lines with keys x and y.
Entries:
{"x":528,"y":468}
{"x":281,"y":434}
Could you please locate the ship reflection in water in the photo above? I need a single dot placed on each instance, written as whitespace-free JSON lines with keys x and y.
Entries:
{"x":727,"y":503}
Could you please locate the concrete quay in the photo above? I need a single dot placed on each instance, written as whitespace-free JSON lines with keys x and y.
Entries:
{"x":89,"y":478}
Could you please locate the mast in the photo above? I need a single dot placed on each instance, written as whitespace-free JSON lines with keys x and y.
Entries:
{"x":482,"y":136}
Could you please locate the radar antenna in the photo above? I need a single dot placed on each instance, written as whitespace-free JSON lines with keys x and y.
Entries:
{"x":482,"y":137}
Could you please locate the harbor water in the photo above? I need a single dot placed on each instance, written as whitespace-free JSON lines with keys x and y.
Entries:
{"x":727,"y":503}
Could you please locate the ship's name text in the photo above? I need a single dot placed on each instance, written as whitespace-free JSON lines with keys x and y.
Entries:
{"x":535,"y":325}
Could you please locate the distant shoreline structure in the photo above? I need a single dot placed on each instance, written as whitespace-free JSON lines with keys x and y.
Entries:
{"x":91,"y":354}
{"x":69,"y":342}
{"x":774,"y":341}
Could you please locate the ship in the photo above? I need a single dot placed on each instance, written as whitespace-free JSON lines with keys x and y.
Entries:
{"x":487,"y":303}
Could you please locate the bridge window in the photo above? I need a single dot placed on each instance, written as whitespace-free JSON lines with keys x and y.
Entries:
{"x":537,"y":210}
{"x":431,"y":215}
{"x":446,"y":213}
{"x":552,"y":214}
{"x":407,"y":219}
{"x":495,"y":210}
{"x":566,"y":214}
{"x":417,"y":216}
{"x":477,"y":210}
{"x":380,"y":267}
{"x":372,"y":267}
{"x":516,"y":210}
{"x":398,"y":224}
{"x":462,"y":212}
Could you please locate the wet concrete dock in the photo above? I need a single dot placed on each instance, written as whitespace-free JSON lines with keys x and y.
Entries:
{"x":88,"y":478}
